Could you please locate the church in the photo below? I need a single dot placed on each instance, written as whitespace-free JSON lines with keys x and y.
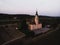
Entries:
{"x":32,"y":25}
{"x":35,"y":25}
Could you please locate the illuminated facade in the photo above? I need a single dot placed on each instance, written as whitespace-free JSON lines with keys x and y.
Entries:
{"x":36,"y":24}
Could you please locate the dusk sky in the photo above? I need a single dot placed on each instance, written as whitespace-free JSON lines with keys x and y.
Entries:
{"x":44,"y":7}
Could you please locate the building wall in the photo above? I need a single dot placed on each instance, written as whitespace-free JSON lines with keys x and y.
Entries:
{"x":35,"y":27}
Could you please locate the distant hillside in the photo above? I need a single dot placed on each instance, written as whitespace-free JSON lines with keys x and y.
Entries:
{"x":23,"y":15}
{"x":43,"y":19}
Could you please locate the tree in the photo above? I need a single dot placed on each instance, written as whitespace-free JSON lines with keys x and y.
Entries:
{"x":23,"y":27}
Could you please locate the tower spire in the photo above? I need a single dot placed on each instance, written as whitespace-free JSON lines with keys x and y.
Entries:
{"x":36,"y":18}
{"x":36,"y":13}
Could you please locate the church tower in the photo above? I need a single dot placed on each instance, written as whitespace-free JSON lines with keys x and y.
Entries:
{"x":36,"y":25}
{"x":36,"y":18}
